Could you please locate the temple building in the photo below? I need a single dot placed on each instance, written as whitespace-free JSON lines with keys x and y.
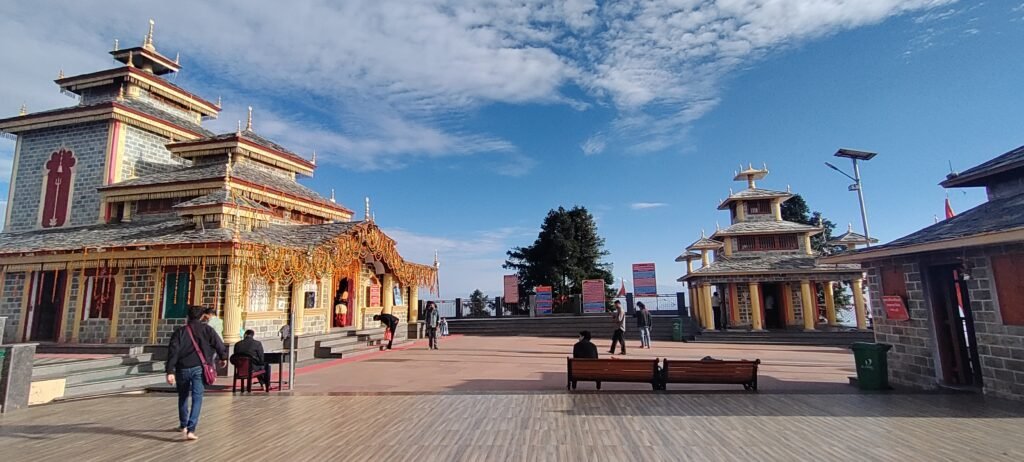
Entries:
{"x":763,"y":269}
{"x":950,"y":297}
{"x":124,"y":210}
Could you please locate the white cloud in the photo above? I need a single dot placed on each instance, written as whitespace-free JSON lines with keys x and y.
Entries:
{"x":381,"y":83}
{"x":647,"y":205}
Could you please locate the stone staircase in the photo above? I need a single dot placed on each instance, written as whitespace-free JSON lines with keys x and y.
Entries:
{"x":837,"y":338}
{"x":92,"y":377}
{"x":348,"y":342}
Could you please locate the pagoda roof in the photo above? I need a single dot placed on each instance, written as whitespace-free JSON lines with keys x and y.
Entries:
{"x":769,"y":264}
{"x":154,"y":83}
{"x":223,"y":143}
{"x":222,"y":197}
{"x":750,"y":173}
{"x":753,"y":194}
{"x":102,"y":110}
{"x":688,"y":256}
{"x":981,"y":174}
{"x":240,"y":173}
{"x":141,"y":56}
{"x":705,"y":244}
{"x":146,"y":233}
{"x":766,"y":227}
{"x":850,"y":237}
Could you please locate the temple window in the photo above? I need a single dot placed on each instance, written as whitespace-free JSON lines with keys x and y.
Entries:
{"x":1008,"y":271}
{"x":156,"y":206}
{"x":311,"y":286}
{"x":57,"y":189}
{"x":100,"y":291}
{"x":259,"y":295}
{"x":768,"y":242}
{"x":177,"y":293}
{"x":893,"y":281}
{"x":759,"y":207}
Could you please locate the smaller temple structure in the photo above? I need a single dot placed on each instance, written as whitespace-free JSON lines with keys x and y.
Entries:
{"x":763,"y":269}
{"x":950,"y":297}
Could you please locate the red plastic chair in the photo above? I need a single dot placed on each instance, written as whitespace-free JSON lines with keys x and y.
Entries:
{"x":244,"y":373}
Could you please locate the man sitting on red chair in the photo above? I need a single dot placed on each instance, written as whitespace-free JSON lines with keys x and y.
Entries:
{"x":252,"y":349}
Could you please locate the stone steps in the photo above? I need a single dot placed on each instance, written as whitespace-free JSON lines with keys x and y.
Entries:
{"x":600,"y":326}
{"x":348,"y":343}
{"x":94,"y":377}
{"x":125,"y":384}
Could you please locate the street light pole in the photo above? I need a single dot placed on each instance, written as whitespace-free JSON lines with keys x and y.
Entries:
{"x":863,"y":208}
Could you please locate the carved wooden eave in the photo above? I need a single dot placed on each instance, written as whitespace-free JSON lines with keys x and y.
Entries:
{"x":144,"y":80}
{"x":99,"y":112}
{"x":242,"y":146}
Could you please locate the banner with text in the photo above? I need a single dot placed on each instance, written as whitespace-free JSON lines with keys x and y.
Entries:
{"x":644,"y":282}
{"x":511,"y":289}
{"x":545,"y":304}
{"x":593,"y":296}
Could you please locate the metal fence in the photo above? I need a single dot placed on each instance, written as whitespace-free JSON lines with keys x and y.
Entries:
{"x":659,"y":304}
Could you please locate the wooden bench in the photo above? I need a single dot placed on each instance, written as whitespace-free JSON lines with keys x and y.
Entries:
{"x":741,"y":372}
{"x":612,"y":370}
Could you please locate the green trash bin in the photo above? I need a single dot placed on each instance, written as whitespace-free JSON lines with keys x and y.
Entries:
{"x":872,"y":365}
{"x":677,"y":330}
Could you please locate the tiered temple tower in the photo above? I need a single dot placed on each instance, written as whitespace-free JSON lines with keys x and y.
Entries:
{"x":764,"y":268}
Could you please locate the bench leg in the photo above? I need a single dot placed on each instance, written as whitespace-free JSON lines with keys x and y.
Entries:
{"x":599,"y":385}
{"x":234,"y":384}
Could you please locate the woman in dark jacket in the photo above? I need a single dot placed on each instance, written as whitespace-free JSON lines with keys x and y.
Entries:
{"x":185,"y":369}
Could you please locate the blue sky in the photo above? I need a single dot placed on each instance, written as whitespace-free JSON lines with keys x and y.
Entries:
{"x":465,"y":122}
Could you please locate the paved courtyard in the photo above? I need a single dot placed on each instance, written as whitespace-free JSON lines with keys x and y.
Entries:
{"x":503,"y":398}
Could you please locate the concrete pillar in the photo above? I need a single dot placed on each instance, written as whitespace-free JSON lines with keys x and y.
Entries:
{"x":709,"y":313}
{"x":705,"y":258}
{"x":232,"y":305}
{"x":807,"y":245}
{"x":830,"y":303}
{"x":694,"y":302}
{"x":810,"y":305}
{"x":728,"y":246}
{"x":756,"y":323}
{"x":298,"y":308}
{"x":858,"y":303}
{"x":388,"y":296}
{"x":777,"y":209}
{"x":16,"y":377}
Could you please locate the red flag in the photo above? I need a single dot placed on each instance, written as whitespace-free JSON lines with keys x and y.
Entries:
{"x":622,"y":289}
{"x":949,"y":210}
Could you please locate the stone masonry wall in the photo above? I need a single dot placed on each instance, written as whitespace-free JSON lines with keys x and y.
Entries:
{"x":10,"y":304}
{"x":137,"y":295}
{"x":214,"y":280}
{"x":913,"y":359}
{"x":145,"y":153}
{"x":314,"y":324}
{"x":797,"y":304}
{"x":88,"y":142}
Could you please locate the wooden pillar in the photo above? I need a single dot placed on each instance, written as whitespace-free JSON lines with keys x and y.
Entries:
{"x":858,"y":303}
{"x":116,"y":316}
{"x":734,"y":305}
{"x":298,"y":307}
{"x":359,"y":295}
{"x":414,"y":303}
{"x":830,"y":303}
{"x":76,"y":323}
{"x":787,"y":304}
{"x":694,"y":302}
{"x":709,"y":312}
{"x":200,"y":281}
{"x":158,"y":301}
{"x":24,"y":330}
{"x":387,"y":296}
{"x":65,"y":306}
{"x":756,"y":323}
{"x":232,"y":304}
{"x":809,"y":303}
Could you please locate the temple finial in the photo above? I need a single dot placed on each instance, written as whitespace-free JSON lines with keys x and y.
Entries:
{"x":821,"y":223}
{"x":177,"y":58}
{"x":117,"y":45}
{"x":437,"y":263}
{"x":148,"y":42}
{"x":248,"y":122}
{"x":332,"y":195}
{"x":120,"y":93}
{"x":23,"y":110}
{"x":717,"y":227}
{"x":730,"y":191}
{"x":218,"y":102}
{"x":750,"y":166}
{"x":702,"y":233}
{"x":313,"y":160}
{"x":366,"y":215}
{"x":238,"y":132}
{"x":764,"y":166}
{"x":849,"y":228}
{"x":130,"y":56}
{"x":60,"y":74}
{"x":789,"y":189}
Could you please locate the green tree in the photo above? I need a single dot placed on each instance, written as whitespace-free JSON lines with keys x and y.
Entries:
{"x":796,"y":210}
{"x":478,"y":303}
{"x":567,"y":250}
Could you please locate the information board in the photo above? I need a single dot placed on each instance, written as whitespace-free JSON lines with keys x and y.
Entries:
{"x":511,"y":289}
{"x":593,"y":296}
{"x":645,"y":284}
{"x":544,"y":301}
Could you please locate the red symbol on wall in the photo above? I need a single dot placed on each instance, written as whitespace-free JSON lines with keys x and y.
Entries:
{"x":57,"y":194}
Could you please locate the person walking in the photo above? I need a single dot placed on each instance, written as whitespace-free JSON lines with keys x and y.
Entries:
{"x":619,"y":317}
{"x":191,"y":347}
{"x":716,"y":310}
{"x":643,"y":323}
{"x":431,"y":319}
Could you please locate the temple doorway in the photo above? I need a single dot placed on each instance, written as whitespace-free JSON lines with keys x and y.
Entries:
{"x":954,"y":326}
{"x":343,"y":295}
{"x":46,"y":305}
{"x":774,"y":315}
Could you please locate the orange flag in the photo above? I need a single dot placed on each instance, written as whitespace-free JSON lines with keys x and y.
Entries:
{"x":949,"y":210}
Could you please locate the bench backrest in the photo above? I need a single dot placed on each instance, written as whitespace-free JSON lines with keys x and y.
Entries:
{"x":613,"y":369}
{"x":741,"y":371}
